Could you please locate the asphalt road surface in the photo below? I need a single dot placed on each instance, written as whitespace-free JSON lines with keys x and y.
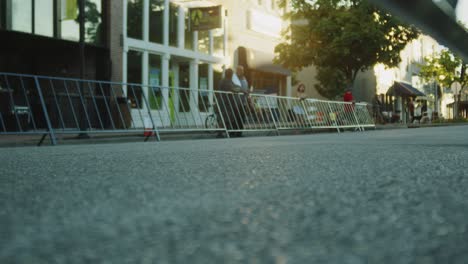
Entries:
{"x":391,"y":196}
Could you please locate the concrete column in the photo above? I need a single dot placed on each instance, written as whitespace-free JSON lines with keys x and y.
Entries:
{"x":146,"y":8}
{"x":181,"y":28}
{"x":210,"y":82}
{"x":195,"y":40}
{"x":194,"y":86}
{"x":165,"y":77}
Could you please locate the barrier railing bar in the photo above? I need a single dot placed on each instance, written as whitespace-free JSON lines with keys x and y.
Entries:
{"x":30,"y":113}
{"x":273,"y":117}
{"x":154,"y":130}
{"x":77,"y":125}
{"x":122,"y":119}
{"x":219,"y":114}
{"x":79,"y":85}
{"x":52,"y":87}
{"x":98,"y":113}
{"x":107,"y":106}
{"x":159,"y":108}
{"x":138,"y":107}
{"x":46,"y":114}
{"x":3,"y":123}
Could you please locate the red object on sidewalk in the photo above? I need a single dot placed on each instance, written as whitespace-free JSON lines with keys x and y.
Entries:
{"x":348,"y":97}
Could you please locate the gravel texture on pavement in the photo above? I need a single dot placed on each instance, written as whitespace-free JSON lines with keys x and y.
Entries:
{"x":387,"y":196}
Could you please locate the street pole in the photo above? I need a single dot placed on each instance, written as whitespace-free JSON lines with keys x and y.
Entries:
{"x":83,"y":121}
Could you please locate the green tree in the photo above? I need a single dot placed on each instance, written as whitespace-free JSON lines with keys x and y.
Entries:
{"x":445,"y":68}
{"x":340,"y":38}
{"x":93,"y":25}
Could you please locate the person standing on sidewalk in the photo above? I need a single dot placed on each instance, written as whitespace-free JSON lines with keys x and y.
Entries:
{"x":349,"y":106}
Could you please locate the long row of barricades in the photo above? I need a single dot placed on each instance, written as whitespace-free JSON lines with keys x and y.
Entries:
{"x":49,"y":106}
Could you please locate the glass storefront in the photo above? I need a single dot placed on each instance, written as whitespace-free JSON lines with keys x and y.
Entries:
{"x":169,"y":64}
{"x":52,"y":18}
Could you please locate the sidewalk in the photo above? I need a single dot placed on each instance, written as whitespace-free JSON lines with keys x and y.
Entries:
{"x":33,"y":140}
{"x":401,"y":126}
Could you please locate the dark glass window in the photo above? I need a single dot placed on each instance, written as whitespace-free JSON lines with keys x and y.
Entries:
{"x":188,"y":33}
{"x":135,"y":19}
{"x":173,"y":24}
{"x":39,"y":17}
{"x":3,"y":14}
{"x":156,"y":21}
{"x":134,"y":74}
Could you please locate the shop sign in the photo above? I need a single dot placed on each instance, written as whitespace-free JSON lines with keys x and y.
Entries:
{"x":205,"y":18}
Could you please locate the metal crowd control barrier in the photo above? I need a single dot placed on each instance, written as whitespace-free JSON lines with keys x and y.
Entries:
{"x":43,"y":105}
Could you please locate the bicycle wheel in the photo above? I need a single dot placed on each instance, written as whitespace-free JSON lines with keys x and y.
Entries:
{"x":211,"y":122}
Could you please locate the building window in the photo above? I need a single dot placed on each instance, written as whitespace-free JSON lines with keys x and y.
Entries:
{"x":154,"y":80}
{"x":21,"y":15}
{"x":134,"y":74}
{"x":93,"y":21}
{"x":70,"y":24}
{"x":44,"y":17}
{"x":156,"y":21}
{"x":173,"y":24}
{"x":2,"y":14}
{"x":203,"y":93}
{"x":188,"y":33}
{"x":135,"y":19}
{"x":204,"y":41}
{"x":218,"y":42}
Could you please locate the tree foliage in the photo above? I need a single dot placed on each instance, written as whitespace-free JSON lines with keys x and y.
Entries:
{"x":340,"y":38}
{"x":445,"y":68}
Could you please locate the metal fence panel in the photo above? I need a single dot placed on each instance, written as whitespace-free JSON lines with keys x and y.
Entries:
{"x":49,"y":105}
